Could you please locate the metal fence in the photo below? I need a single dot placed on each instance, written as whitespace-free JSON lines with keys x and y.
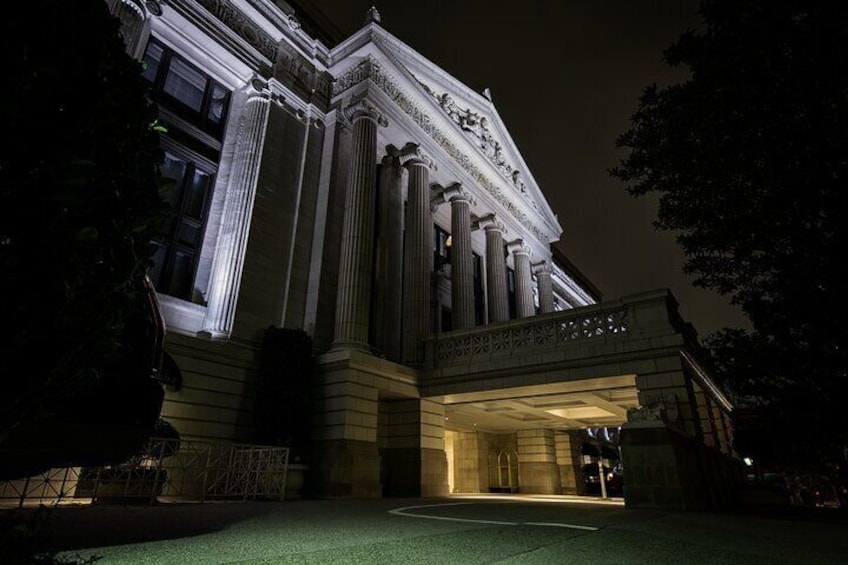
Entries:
{"x":167,"y":470}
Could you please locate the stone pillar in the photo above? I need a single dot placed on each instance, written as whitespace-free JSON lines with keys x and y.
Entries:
{"x":495,"y":270}
{"x":462,"y":263}
{"x":415,"y":461}
{"x":418,"y":254}
{"x":570,"y":462}
{"x":471,"y":462}
{"x":346,"y":461}
{"x":353,"y":301}
{"x":546,"y":287}
{"x":389,"y":279}
{"x":238,"y":208}
{"x":524,"y":305}
{"x":538,"y":472}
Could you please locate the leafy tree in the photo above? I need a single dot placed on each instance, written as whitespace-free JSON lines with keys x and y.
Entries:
{"x":79,"y":203}
{"x":749,"y":158}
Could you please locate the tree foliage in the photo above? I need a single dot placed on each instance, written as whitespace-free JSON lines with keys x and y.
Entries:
{"x":749,"y":157}
{"x":79,"y":204}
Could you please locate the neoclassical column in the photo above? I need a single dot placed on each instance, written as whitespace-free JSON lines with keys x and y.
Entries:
{"x":353,"y":300}
{"x":389,"y":259}
{"x":238,"y":209}
{"x":418,"y":252}
{"x":542,"y":270}
{"x":462,"y":262}
{"x":495,"y":269}
{"x":524,"y":305}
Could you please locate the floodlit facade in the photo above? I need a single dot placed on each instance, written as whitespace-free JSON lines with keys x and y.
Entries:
{"x":359,"y":192}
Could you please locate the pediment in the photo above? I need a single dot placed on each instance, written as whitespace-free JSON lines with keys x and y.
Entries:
{"x":475,"y":116}
{"x":488,"y":151}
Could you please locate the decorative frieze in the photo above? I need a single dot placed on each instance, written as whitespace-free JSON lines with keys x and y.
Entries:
{"x":369,"y":69}
{"x":231,"y":17}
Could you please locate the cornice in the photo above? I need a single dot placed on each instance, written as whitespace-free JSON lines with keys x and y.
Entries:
{"x":234,"y":19}
{"x":569,"y":284}
{"x":290,"y":26}
{"x":294,"y":104}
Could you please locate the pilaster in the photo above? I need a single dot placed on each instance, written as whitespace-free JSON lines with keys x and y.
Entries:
{"x":238,"y":209}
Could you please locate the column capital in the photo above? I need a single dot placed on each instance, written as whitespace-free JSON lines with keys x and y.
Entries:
{"x":517,"y":247}
{"x":257,"y":88}
{"x":457,"y":192}
{"x":542,"y":267}
{"x":490,"y":222}
{"x":453,"y":193}
{"x":412,"y":154}
{"x":363,"y":109}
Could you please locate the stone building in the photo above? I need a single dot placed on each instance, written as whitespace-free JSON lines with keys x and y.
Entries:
{"x":361,"y":193}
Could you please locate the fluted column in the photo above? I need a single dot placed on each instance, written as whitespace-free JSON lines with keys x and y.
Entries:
{"x":238,"y":209}
{"x":462,"y":262}
{"x":353,"y":300}
{"x":524,"y":305}
{"x":390,"y":257}
{"x":418,"y":251}
{"x":546,"y":287}
{"x":495,"y":270}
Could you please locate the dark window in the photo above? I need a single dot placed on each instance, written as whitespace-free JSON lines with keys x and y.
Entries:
{"x":178,"y":244}
{"x":479,"y":298}
{"x":188,"y":93}
{"x":510,"y":292}
{"x":446,"y":319}
{"x":193,"y":108}
{"x":441,"y":248}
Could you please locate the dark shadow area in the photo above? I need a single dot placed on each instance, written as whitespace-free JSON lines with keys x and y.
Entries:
{"x":73,"y":528}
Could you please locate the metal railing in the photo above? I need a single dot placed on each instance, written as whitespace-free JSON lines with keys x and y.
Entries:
{"x":169,"y":470}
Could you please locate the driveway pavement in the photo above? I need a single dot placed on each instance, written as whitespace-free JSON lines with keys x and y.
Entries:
{"x":456,"y":530}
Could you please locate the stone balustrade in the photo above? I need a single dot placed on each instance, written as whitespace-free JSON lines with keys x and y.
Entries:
{"x":525,"y":334}
{"x":549,"y":332}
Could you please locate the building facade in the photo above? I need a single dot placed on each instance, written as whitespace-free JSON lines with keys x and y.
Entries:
{"x":361,"y":193}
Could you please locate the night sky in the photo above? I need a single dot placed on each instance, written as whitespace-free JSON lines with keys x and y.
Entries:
{"x":565,"y":77}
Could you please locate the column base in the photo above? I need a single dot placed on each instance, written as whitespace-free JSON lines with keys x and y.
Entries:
{"x":350,"y":345}
{"x":213,"y":335}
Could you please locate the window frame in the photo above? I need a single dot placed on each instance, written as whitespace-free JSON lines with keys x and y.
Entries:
{"x":173,"y":244}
